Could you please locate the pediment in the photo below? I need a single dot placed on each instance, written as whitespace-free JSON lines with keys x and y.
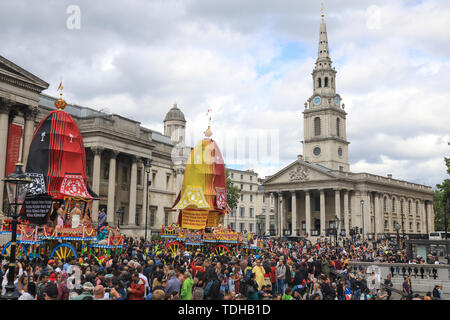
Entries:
{"x":11,"y":72}
{"x":299,"y":171}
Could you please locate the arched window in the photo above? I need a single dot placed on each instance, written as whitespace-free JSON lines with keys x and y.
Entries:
{"x":385,"y":204}
{"x":326,"y":82}
{"x":417,"y":208}
{"x":393,"y":205}
{"x":409,"y":208}
{"x":319,"y":82}
{"x":317,"y":126}
{"x":338,"y":126}
{"x":401,"y":206}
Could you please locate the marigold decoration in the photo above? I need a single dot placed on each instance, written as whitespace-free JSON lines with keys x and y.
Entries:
{"x":202,"y":199}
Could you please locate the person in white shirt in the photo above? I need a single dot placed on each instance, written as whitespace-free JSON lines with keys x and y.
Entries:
{"x":26,"y":290}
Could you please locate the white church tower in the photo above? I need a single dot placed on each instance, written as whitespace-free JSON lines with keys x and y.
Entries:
{"x":325,"y":137}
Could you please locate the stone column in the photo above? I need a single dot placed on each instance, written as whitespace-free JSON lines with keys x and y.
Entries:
{"x":281,"y":212}
{"x":308,"y":212}
{"x":133,"y":186}
{"x":430,"y":216}
{"x":267,"y":225}
{"x":378,"y":214}
{"x":29,"y":117}
{"x":4,"y":126}
{"x":322,"y":213}
{"x":337,"y":206}
{"x":346,"y":214}
{"x":294,"y":213}
{"x":276,"y":208}
{"x":112,"y":187}
{"x":96,"y":180}
{"x":423,"y":217}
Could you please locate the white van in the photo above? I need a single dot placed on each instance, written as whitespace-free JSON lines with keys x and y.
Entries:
{"x":438,"y":235}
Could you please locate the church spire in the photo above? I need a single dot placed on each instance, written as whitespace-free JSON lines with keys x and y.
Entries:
{"x":323,"y":52}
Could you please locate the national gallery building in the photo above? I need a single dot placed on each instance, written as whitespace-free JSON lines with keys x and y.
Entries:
{"x":121,"y":155}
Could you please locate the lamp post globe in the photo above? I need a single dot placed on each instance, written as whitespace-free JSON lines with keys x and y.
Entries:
{"x":17,"y":184}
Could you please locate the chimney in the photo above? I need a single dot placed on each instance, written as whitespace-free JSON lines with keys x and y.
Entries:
{"x":389,"y":176}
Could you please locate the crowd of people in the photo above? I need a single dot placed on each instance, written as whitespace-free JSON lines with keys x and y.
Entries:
{"x":282,"y":270}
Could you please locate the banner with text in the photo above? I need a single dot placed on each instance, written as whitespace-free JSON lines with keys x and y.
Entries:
{"x":194,"y":220}
{"x":13,"y":151}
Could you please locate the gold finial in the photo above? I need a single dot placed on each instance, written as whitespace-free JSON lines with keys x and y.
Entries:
{"x":322,"y":14}
{"x":208,"y":133}
{"x":60,"y":104}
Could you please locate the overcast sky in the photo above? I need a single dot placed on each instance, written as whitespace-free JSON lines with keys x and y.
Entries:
{"x":251,"y":63}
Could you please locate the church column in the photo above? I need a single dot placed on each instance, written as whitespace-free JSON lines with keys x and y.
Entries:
{"x":294,"y":213}
{"x":96,"y":180}
{"x":4,"y":125}
{"x":322,"y":213}
{"x":133,"y":186}
{"x":29,"y":117}
{"x":267,"y":211}
{"x":356,"y":210}
{"x":308,"y":212}
{"x":337,"y":206}
{"x":346,"y":214}
{"x":111,"y":187}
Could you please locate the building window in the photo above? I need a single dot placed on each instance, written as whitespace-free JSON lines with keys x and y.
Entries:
{"x":139,"y":177}
{"x":251,"y":178}
{"x":319,"y":83}
{"x":418,"y":227}
{"x":317,"y":126}
{"x":166,"y":218}
{"x":167,"y":182}
{"x":152,"y":216}
{"x":409,"y":208}
{"x":385,"y":224}
{"x":232,"y":226}
{"x":138,"y":216}
{"x":251,"y":198}
{"x":326,"y":82}
{"x":242,"y":186}
{"x":242,"y":212}
{"x":106,"y":171}
{"x":124,"y":175}
{"x":317,"y":204}
{"x":338,"y":126}
{"x":385,"y":204}
{"x":264,"y":199}
{"x":251,"y":212}
{"x":241,"y":227}
{"x":251,"y":227}
{"x":154,"y":179}
{"x":393,"y":205}
{"x":232,"y":175}
{"x":242,"y":197}
{"x":417,"y":208}
{"x":401,"y":206}
{"x":242,"y":177}
{"x":89,"y":168}
{"x":410,"y":226}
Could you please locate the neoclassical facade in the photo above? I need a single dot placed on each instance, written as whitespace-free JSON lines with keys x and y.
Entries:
{"x":318,"y":187}
{"x":118,"y":152}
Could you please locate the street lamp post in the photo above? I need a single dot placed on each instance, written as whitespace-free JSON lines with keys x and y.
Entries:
{"x":397,"y":228}
{"x":148,"y":165}
{"x":17,"y":187}
{"x":362,"y":211}
{"x":336,"y":226}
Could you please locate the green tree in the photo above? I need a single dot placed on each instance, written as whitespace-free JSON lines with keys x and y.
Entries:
{"x":442,"y":202}
{"x":233,"y":193}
